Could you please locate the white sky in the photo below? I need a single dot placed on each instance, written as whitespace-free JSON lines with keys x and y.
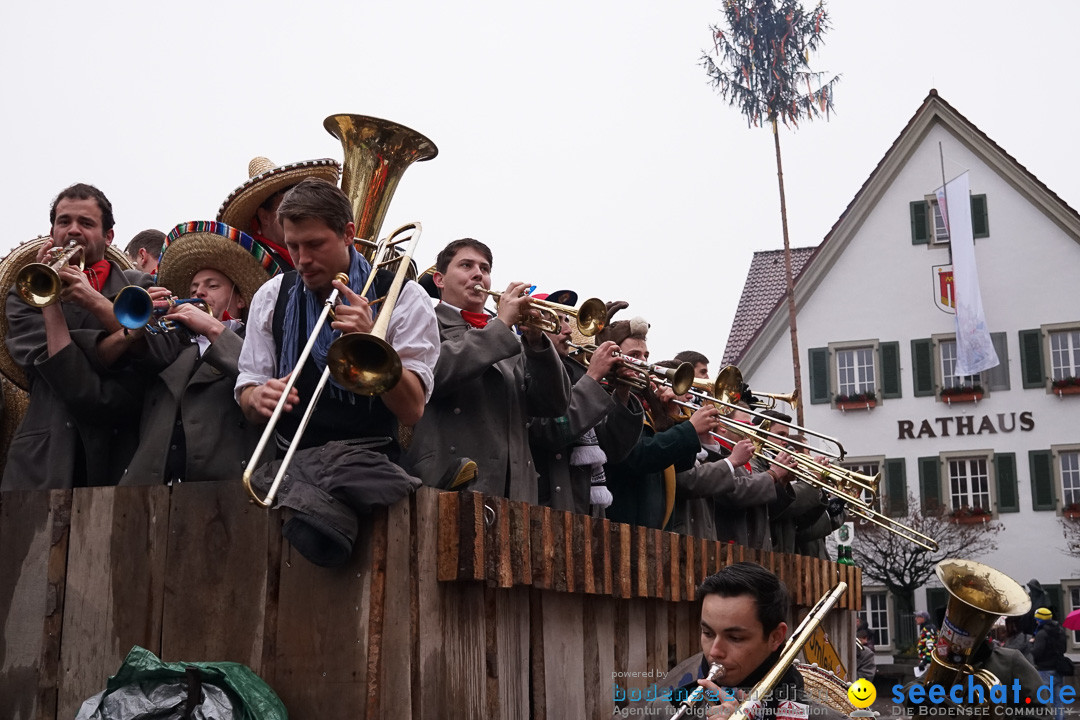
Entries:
{"x":582,"y":141}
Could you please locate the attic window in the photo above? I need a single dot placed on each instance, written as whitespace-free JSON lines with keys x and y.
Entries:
{"x":936,"y":230}
{"x":928,"y":227}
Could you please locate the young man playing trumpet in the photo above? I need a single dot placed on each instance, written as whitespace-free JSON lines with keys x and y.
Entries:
{"x":744,"y":608}
{"x":80,"y":427}
{"x":488,"y":382}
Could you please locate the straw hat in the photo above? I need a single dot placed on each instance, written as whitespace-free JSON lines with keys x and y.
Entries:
{"x":10,"y":266}
{"x":265,"y":179}
{"x":194,"y":246}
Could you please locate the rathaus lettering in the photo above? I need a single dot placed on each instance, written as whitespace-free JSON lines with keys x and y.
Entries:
{"x":964,"y":425}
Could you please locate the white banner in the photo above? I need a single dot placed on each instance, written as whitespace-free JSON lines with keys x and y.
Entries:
{"x":974,"y":349}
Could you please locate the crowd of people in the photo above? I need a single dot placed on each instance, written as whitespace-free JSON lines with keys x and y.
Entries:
{"x":489,"y":401}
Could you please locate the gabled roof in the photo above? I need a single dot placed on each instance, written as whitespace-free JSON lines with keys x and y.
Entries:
{"x":752,"y":336}
{"x":765,"y":289}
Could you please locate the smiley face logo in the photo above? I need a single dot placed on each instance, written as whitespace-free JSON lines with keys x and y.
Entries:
{"x":862,"y":693}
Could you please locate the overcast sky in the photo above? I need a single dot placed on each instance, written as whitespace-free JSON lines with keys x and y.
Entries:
{"x":581,"y":141}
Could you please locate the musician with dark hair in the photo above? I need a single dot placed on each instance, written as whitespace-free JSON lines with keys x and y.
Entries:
{"x":488,"y":383}
{"x":743,"y":628}
{"x":698,"y":360}
{"x":144,"y":250}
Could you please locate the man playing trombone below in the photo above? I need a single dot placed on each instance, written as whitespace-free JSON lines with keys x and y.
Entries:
{"x":318,"y":225}
{"x":488,"y":382}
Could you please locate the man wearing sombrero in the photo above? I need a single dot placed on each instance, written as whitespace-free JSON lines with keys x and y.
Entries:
{"x":252,"y":207}
{"x":191,"y":427}
{"x":79,"y":428}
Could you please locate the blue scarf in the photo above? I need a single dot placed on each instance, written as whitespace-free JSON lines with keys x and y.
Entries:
{"x":302,"y":309}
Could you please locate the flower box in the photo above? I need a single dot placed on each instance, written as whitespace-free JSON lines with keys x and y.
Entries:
{"x":970,"y":519}
{"x":846,"y":405}
{"x":1072,"y":514}
{"x":967,"y":397}
{"x":1067,"y":390}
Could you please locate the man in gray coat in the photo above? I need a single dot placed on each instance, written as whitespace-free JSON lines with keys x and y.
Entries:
{"x":488,"y":382}
{"x":79,"y":428}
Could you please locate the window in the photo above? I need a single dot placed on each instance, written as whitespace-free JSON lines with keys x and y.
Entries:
{"x":969,"y":483}
{"x":1055,"y":478}
{"x":1050,"y":355}
{"x":876,"y":610}
{"x":869,"y":467}
{"x":933,"y":367}
{"x":1064,"y":354}
{"x":928,"y":228}
{"x":854,"y":369}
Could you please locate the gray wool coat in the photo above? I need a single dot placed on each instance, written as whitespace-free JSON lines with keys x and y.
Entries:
{"x":218,"y":439}
{"x":707,"y":486}
{"x":487,"y":386}
{"x":73,"y":401}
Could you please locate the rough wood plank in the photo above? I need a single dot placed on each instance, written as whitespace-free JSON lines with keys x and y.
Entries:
{"x":114,"y":597}
{"x":583,"y":557}
{"x":542,"y":540}
{"x":559,"y":551}
{"x":499,"y":571}
{"x":426,"y":605}
{"x":599,"y":656}
{"x":33,"y":550}
{"x":471,"y":528}
{"x":564,"y":666}
{"x":463,"y":631}
{"x":398,"y":631}
{"x":536,"y":656}
{"x":511,"y":645}
{"x":449,"y":545}
{"x":621,"y":648}
{"x":322,"y":644}
{"x":520,"y":543}
{"x":638,"y":643}
{"x":621,"y":560}
{"x":683,"y":632}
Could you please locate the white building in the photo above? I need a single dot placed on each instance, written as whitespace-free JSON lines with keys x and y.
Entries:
{"x":872,"y":318}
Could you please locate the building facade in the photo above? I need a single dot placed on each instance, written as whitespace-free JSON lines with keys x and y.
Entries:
{"x":877,"y":338}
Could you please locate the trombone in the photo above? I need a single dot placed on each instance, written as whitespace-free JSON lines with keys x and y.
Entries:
{"x":39,"y":283}
{"x":362,"y":363}
{"x":591,"y":316}
{"x":134,"y":309}
{"x":680,"y":378}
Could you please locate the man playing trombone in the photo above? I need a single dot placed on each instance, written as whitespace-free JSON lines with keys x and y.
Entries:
{"x":488,"y":382}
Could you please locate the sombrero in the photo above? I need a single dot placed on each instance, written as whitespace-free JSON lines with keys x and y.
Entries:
{"x":9,"y":267}
{"x":194,"y":246}
{"x":265,"y":179}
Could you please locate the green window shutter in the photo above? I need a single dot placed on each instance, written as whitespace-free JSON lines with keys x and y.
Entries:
{"x":895,"y":487}
{"x":930,"y":482}
{"x":890,"y":369}
{"x":1041,"y":464}
{"x":997,"y":378}
{"x":819,"y":375}
{"x":919,"y":233}
{"x":1031,"y":358}
{"x":1054,"y":593}
{"x":980,"y":222}
{"x":1008,"y":496}
{"x":922,"y":367}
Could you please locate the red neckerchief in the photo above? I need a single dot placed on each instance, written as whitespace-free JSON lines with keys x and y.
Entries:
{"x":278,"y":249}
{"x":97,"y":274}
{"x":477,"y":320}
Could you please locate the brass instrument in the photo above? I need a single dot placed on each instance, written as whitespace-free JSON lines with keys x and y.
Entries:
{"x":772,"y":399}
{"x":134,"y":309}
{"x":376,"y":154}
{"x":791,"y":649}
{"x":38,"y":283}
{"x":591,"y":316}
{"x":680,"y":378}
{"x":362,"y":363}
{"x":696,"y":698}
{"x":978,"y":596}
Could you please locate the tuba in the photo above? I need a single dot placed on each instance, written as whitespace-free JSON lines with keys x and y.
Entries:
{"x":377,"y":153}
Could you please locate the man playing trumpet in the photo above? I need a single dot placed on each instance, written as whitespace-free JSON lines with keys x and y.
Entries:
{"x":488,"y":382}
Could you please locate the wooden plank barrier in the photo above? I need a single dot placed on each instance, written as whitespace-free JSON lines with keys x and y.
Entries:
{"x":454,"y":605}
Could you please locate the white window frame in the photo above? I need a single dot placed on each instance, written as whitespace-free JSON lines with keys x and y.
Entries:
{"x":1064,"y":468}
{"x":859,"y":464}
{"x":935,"y":222}
{"x":946,"y":477}
{"x":889,"y":615}
{"x":1061,"y":330}
{"x":834,"y":366}
{"x":941,"y":341}
{"x":1068,"y":587}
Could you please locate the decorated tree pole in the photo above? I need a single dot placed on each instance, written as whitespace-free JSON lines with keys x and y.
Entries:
{"x":761,"y":64}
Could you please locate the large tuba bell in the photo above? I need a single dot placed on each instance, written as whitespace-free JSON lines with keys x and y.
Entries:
{"x":377,"y":153}
{"x":978,"y":596}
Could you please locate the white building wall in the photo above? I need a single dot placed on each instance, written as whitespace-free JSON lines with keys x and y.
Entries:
{"x":882,"y":288}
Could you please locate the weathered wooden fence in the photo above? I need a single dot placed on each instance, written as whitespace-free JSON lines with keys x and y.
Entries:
{"x":454,"y":605}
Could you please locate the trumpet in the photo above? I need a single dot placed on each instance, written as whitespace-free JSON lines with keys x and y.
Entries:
{"x":680,"y":378}
{"x":362,"y":363}
{"x":591,"y":316}
{"x":39,"y":283}
{"x":134,"y":309}
{"x":791,"y":399}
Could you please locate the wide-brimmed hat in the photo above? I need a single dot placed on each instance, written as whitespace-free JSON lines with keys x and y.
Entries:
{"x":10,"y":266}
{"x":195,"y":246}
{"x":562,"y":297}
{"x":265,"y":179}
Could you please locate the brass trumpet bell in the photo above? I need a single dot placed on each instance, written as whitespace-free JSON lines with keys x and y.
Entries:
{"x":39,"y":284}
{"x":363,"y":364}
